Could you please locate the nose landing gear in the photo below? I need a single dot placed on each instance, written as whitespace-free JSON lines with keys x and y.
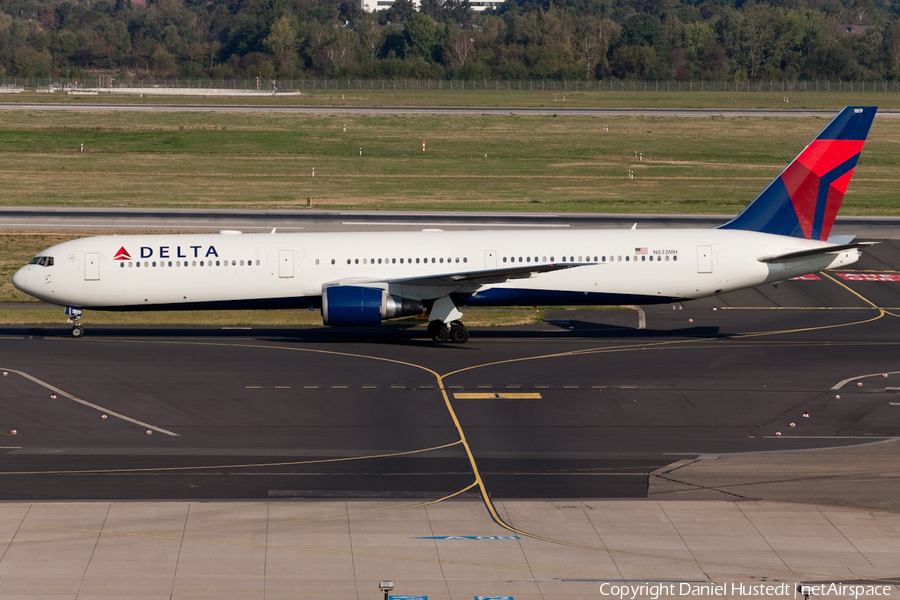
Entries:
{"x":75,"y":321}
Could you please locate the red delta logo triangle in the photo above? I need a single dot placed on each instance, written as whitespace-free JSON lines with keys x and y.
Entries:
{"x":122,"y":254}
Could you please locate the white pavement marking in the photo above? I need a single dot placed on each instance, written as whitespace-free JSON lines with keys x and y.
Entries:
{"x":642,"y":318}
{"x":453,"y":224}
{"x":90,"y":404}
{"x":11,"y":224}
{"x":849,"y":379}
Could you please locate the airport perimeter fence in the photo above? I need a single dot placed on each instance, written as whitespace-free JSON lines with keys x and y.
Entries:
{"x":263,"y":85}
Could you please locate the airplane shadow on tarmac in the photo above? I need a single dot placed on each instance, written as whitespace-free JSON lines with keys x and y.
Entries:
{"x":372,"y":335}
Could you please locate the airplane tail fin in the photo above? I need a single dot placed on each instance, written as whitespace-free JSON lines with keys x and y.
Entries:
{"x":804,"y":199}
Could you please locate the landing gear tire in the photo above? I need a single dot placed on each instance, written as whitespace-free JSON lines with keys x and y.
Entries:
{"x":77,"y":331}
{"x":440,"y":334}
{"x":459,"y":334}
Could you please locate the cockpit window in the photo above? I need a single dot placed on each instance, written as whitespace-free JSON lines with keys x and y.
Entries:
{"x":44,"y":261}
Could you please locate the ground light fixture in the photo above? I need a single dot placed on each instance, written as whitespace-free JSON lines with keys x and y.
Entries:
{"x":386,"y":587}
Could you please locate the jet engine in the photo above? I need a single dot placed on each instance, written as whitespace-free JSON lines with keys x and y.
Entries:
{"x":353,"y":305}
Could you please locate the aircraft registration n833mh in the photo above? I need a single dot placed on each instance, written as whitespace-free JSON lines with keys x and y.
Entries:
{"x":365,"y":278}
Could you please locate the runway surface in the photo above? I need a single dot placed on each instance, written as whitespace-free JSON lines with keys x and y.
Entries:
{"x":425,"y":110}
{"x":586,"y":405}
{"x":15,"y":218}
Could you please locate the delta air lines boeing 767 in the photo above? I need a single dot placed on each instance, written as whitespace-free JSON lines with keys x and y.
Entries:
{"x":365,"y":278}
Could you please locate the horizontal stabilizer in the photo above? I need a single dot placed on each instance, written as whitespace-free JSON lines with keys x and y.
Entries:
{"x":814,"y":252}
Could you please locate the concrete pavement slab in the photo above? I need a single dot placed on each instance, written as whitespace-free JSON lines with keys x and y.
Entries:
{"x":311,"y":549}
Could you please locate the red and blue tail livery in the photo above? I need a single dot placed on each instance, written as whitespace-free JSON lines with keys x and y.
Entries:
{"x":804,"y":200}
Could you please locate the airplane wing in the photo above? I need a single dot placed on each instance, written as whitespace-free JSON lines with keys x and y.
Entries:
{"x":488,"y":275}
{"x":814,"y":252}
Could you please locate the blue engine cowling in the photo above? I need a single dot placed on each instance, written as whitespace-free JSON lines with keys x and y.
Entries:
{"x":352,"y":305}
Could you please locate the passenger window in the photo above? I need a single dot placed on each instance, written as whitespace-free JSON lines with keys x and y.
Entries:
{"x":364,"y":261}
{"x":154,"y":263}
{"x":394,"y":261}
{"x":465,"y":259}
{"x":432,"y":260}
{"x":122,"y":265}
{"x":379,"y":261}
{"x":543,"y":259}
{"x":129,"y":264}
{"x":620,"y":259}
{"x":627,"y":258}
{"x":675,"y":257}
{"x":242,"y":262}
{"x":193,"y":263}
{"x":528,"y":259}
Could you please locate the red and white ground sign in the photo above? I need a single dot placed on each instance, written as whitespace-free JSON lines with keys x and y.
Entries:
{"x":810,"y":277}
{"x":869,"y":276}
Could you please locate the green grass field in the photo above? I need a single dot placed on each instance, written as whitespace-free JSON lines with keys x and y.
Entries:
{"x":498,"y":163}
{"x":474,"y":317}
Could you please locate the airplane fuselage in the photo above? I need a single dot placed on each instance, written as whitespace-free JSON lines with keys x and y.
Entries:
{"x":290,"y":270}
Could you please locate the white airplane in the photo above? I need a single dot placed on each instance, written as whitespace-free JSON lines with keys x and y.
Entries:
{"x":364,"y":278}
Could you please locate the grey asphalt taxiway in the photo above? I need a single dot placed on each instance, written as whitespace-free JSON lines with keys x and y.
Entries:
{"x":588,"y":404}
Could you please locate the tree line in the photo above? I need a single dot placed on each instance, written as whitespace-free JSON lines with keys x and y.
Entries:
{"x":684,"y":40}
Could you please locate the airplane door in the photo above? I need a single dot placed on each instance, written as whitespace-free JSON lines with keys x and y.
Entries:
{"x":490,"y":259}
{"x":704,"y":259}
{"x":92,"y":266}
{"x":285,"y":263}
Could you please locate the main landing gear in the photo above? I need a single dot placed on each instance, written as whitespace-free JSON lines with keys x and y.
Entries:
{"x":444,"y":311}
{"x":456,"y":332}
{"x":75,"y":321}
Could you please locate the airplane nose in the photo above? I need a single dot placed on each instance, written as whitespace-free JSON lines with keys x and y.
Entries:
{"x":20,"y":279}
